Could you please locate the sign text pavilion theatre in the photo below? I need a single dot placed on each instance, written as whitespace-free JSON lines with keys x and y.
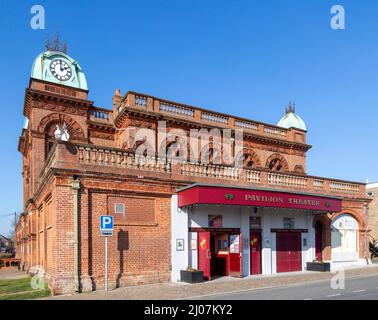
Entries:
{"x":79,"y":163}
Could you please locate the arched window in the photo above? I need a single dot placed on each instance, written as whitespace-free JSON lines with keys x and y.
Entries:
{"x":48,"y":127}
{"x":51,"y":131}
{"x":248,"y":158}
{"x":277,"y":162}
{"x":275,"y":165}
{"x":344,"y":238}
{"x":212,"y":156}
{"x":248,"y":161}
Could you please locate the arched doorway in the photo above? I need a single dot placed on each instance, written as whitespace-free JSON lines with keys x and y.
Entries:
{"x":318,"y":241}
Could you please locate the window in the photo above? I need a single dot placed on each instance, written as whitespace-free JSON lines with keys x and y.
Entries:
{"x":215,"y":221}
{"x":288,"y":223}
{"x":255,"y":222}
{"x":119,"y":208}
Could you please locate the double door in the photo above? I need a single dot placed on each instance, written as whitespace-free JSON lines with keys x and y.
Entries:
{"x":289,"y":251}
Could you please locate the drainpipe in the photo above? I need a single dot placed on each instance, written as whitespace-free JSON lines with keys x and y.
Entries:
{"x":75,"y":188}
{"x":364,"y":210}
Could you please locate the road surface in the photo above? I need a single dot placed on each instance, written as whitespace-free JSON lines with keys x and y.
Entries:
{"x":357,"y":288}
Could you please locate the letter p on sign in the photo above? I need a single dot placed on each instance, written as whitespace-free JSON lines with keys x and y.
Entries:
{"x":106,"y":225}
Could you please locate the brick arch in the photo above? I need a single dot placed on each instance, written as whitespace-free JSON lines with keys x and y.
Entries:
{"x":323,"y":219}
{"x":74,"y":129}
{"x":277,"y":159}
{"x":299,"y":169}
{"x":247,"y":155}
{"x":325,"y":222}
{"x":352,"y":213}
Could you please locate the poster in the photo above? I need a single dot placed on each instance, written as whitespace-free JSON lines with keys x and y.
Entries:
{"x":234,"y":243}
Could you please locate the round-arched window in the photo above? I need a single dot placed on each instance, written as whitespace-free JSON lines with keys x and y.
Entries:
{"x":344,"y":238}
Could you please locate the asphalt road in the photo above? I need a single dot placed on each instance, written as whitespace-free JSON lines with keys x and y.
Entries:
{"x":359,"y":288}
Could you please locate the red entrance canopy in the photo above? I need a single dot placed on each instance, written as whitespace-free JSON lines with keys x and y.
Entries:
{"x":210,"y":194}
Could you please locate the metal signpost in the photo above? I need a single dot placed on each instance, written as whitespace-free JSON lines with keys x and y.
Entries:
{"x":106,"y":230}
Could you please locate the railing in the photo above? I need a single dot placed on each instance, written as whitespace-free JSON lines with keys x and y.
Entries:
{"x":249,"y":125}
{"x":253,"y":176}
{"x":273,"y":131}
{"x":208,"y":170}
{"x":194,"y":172}
{"x":109,"y":157}
{"x":176,"y":109}
{"x":343,"y":187}
{"x":213,"y":117}
{"x":318,"y":184}
{"x":287,"y":180}
{"x":100,"y":115}
{"x":140,"y":101}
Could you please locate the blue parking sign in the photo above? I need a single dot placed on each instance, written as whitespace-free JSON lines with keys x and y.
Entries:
{"x":106,"y":225}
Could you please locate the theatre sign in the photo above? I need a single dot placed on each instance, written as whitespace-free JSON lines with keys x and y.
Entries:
{"x":205,"y":194}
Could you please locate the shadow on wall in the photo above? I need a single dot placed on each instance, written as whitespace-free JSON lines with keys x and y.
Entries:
{"x":122,"y":245}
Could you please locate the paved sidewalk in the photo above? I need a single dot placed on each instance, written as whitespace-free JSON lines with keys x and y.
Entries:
{"x":11,"y":274}
{"x":170,"y":291}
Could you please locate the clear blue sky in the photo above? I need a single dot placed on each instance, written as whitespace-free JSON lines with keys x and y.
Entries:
{"x":248,"y":58}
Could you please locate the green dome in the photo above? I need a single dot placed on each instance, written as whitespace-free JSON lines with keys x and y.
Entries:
{"x":41,"y":70}
{"x":292,"y":120}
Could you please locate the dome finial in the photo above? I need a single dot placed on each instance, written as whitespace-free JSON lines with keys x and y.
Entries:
{"x":55,"y":45}
{"x":290,"y":108}
{"x":291,"y":119}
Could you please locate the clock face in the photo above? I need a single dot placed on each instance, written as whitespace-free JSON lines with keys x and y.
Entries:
{"x":60,"y":69}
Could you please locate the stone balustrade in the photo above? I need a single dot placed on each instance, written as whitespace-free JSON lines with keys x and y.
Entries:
{"x":140,"y":101}
{"x":208,"y":170}
{"x":100,"y":115}
{"x":112,"y":158}
{"x":253,"y":176}
{"x":337,"y":186}
{"x":176,"y":109}
{"x":117,"y":158}
{"x":287,"y":180}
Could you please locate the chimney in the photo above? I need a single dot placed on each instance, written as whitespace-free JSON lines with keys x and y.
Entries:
{"x":116,"y":101}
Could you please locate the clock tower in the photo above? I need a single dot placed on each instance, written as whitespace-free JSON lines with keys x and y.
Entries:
{"x":56,"y":107}
{"x":55,"y":66}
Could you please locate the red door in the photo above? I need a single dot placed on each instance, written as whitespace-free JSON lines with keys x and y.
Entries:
{"x":318,"y":241}
{"x":236,"y":255}
{"x":255,"y":252}
{"x":289,"y":252}
{"x":204,"y":254}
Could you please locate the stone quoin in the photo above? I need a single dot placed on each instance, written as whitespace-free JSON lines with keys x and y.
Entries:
{"x":266,"y":216}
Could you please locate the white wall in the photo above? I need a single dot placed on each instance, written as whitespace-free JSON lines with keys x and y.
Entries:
{"x":230,"y":215}
{"x":179,"y":230}
{"x":237,"y":217}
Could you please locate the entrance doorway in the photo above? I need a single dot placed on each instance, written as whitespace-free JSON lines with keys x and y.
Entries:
{"x":219,"y":264}
{"x":289,"y":251}
{"x":255,"y":252}
{"x":219,"y":254}
{"x":318,"y":240}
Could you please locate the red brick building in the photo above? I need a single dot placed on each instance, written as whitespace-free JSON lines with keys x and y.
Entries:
{"x":80,"y":162}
